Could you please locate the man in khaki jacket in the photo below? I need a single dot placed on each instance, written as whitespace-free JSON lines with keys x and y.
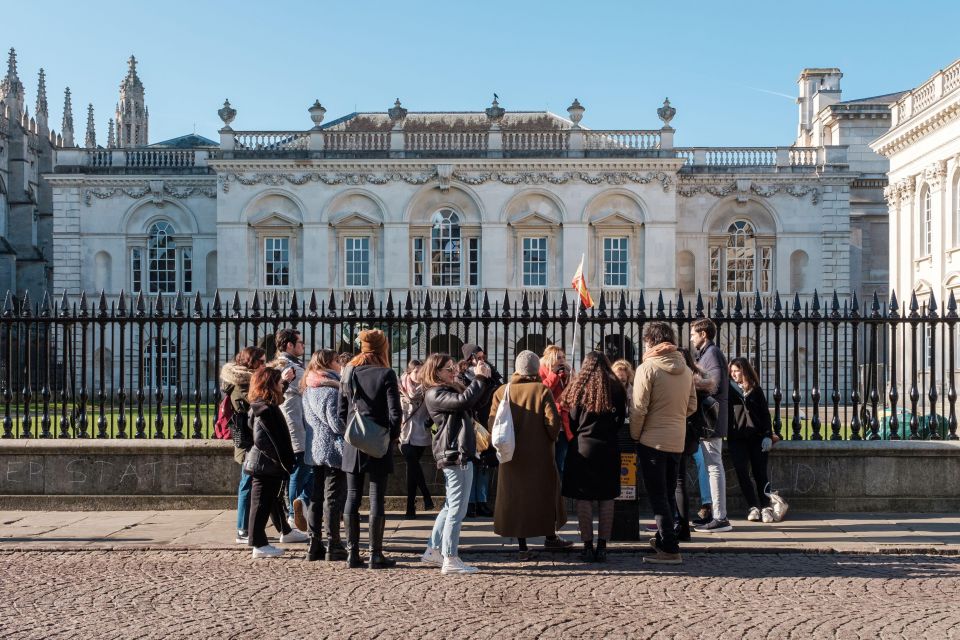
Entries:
{"x":663,"y":397}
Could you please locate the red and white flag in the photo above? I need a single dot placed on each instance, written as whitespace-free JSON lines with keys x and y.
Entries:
{"x":580,"y":286}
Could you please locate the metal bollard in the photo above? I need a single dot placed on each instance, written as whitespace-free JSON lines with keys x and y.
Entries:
{"x":626,"y":508}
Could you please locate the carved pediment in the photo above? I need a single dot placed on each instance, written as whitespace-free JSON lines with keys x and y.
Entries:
{"x":614,"y":219}
{"x":355,"y":219}
{"x":533,"y":219}
{"x":273,"y":219}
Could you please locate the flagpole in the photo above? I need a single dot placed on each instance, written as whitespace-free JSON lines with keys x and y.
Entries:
{"x":576,"y":314}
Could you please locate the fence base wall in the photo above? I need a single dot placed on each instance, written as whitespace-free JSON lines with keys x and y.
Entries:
{"x":845,"y":476}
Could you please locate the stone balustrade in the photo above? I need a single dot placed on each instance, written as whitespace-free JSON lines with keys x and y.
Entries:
{"x":271,"y":140}
{"x":148,"y":160}
{"x":548,"y":140}
{"x":356,"y":140}
{"x":913,"y":102}
{"x":446,"y":141}
{"x":614,"y":140}
{"x":761,"y":157}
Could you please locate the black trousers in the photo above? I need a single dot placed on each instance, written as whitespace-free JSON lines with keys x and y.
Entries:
{"x":415,"y":478}
{"x":659,"y":470}
{"x":265,"y":495}
{"x":747,"y":455}
{"x":681,"y":501}
{"x":330,"y":483}
{"x":378,"y":491}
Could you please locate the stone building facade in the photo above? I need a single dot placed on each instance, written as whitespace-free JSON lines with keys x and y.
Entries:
{"x":923,"y":149}
{"x":493,"y":200}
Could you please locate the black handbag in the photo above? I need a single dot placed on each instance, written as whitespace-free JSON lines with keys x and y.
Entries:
{"x":258,"y":463}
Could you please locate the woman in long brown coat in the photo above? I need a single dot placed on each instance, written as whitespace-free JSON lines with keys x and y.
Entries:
{"x":528,"y":487}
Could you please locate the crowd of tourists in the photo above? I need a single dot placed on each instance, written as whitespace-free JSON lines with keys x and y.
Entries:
{"x":310,"y":433}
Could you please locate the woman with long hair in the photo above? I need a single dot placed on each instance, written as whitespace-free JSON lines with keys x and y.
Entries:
{"x":555,"y":375}
{"x":624,"y":372}
{"x":750,"y":438}
{"x":449,"y":404}
{"x":235,"y":383}
{"x":414,"y":436}
{"x":370,"y":387}
{"x":320,"y":390}
{"x":597,"y":403}
{"x":270,"y":458}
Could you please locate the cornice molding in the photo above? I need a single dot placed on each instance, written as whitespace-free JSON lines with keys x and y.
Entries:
{"x":902,"y":136}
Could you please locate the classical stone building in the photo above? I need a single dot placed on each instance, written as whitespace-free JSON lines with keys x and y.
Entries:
{"x":492,"y":200}
{"x":923,"y":148}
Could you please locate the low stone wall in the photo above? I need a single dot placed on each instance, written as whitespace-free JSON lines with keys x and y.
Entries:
{"x":147,"y":474}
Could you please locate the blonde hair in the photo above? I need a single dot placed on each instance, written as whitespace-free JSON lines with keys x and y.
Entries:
{"x":322,"y":360}
{"x":551,"y":355}
{"x":623,"y":365}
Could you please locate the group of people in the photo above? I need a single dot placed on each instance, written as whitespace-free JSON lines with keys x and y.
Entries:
{"x":678,"y":404}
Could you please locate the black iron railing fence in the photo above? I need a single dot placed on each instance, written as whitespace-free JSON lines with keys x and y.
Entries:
{"x":130,"y":366}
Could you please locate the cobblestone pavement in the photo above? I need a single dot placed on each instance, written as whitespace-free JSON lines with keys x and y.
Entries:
{"x":225,"y":594}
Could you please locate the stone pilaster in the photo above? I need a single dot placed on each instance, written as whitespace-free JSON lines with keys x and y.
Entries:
{"x":66,"y":240}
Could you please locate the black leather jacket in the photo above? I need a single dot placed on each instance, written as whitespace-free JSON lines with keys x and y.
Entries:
{"x":455,"y":442}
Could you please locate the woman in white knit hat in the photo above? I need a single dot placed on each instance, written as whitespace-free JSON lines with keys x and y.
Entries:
{"x":528,"y":487}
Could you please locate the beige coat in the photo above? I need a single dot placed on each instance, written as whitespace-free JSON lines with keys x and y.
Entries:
{"x":528,"y":487}
{"x":663,"y":397}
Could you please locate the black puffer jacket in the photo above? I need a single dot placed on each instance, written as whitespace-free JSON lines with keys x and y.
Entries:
{"x":455,"y":442}
{"x":270,"y":433}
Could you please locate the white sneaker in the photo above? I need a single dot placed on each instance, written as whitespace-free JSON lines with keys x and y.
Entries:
{"x":454,"y":565}
{"x":432,"y":557}
{"x":242,"y":537}
{"x":267,"y":551}
{"x":295,"y":535}
{"x":753,"y":515}
{"x":767,"y":515}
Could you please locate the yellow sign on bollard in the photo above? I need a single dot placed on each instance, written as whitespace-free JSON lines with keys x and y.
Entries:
{"x":628,"y":476}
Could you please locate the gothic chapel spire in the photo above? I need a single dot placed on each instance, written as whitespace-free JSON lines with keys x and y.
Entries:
{"x":67,"y":125}
{"x":132,"y":116}
{"x":90,"y":141}
{"x":43,"y":112}
{"x":11,"y":89}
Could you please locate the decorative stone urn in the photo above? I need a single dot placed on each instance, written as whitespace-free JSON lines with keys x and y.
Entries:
{"x":576,"y":113}
{"x":397,"y":113}
{"x":317,"y":111}
{"x":666,"y":113}
{"x":495,"y":112}
{"x":227,"y":114}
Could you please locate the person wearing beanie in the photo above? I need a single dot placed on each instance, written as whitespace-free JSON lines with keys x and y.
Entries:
{"x":484,"y":461}
{"x":528,"y":501}
{"x":369,"y":383}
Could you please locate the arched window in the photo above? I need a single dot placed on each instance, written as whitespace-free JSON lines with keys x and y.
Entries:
{"x":445,"y":249}
{"x":162,"y":264}
{"x":741,"y":256}
{"x":927,"y":229}
{"x":161,"y":259}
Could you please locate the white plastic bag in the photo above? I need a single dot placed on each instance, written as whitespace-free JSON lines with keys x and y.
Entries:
{"x":502,"y":434}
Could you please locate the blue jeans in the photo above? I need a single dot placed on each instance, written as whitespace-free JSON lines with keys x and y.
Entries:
{"x":702,"y":479}
{"x":446,"y":529}
{"x":243,"y":500}
{"x":480,"y":488}
{"x":301,"y":482}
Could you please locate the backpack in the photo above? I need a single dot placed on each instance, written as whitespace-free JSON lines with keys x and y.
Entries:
{"x":221,"y":428}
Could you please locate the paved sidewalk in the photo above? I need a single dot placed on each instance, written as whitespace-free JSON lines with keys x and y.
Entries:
{"x":214,"y":530}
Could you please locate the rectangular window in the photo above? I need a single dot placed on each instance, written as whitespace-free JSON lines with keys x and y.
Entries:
{"x":356,"y":253}
{"x":473,"y":262}
{"x":136,"y":268}
{"x":715,"y":275}
{"x":766,"y":258}
{"x":186,"y":267}
{"x":276,"y":262}
{"x":418,"y":262}
{"x":615,"y":261}
{"x":534,"y":262}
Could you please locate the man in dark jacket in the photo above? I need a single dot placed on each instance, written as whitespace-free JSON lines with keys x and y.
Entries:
{"x":473,"y":354}
{"x":716,"y":382}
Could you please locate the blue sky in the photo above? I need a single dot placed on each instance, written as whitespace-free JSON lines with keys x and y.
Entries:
{"x":722,"y":64}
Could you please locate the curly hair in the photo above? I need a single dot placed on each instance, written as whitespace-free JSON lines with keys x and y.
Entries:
{"x":591,"y":388}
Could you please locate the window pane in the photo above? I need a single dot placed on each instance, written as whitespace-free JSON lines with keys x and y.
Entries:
{"x":615,"y":261}
{"x":740,"y":257}
{"x":473,"y":263}
{"x":186,"y":263}
{"x":357,"y":259}
{"x":534,"y":262}
{"x":714,"y":269}
{"x":276,"y":262}
{"x":162,"y":259}
{"x":445,"y":249}
{"x":136,"y":269}
{"x":418,"y":259}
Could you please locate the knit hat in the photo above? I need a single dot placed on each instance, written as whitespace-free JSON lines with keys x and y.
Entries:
{"x":372,"y":341}
{"x":527,"y":363}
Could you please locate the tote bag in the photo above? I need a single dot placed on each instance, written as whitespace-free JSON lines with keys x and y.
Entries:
{"x":362,"y":432}
{"x":502,"y":434}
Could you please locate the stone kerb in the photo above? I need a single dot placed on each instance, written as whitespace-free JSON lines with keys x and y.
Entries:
{"x":840,"y":476}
